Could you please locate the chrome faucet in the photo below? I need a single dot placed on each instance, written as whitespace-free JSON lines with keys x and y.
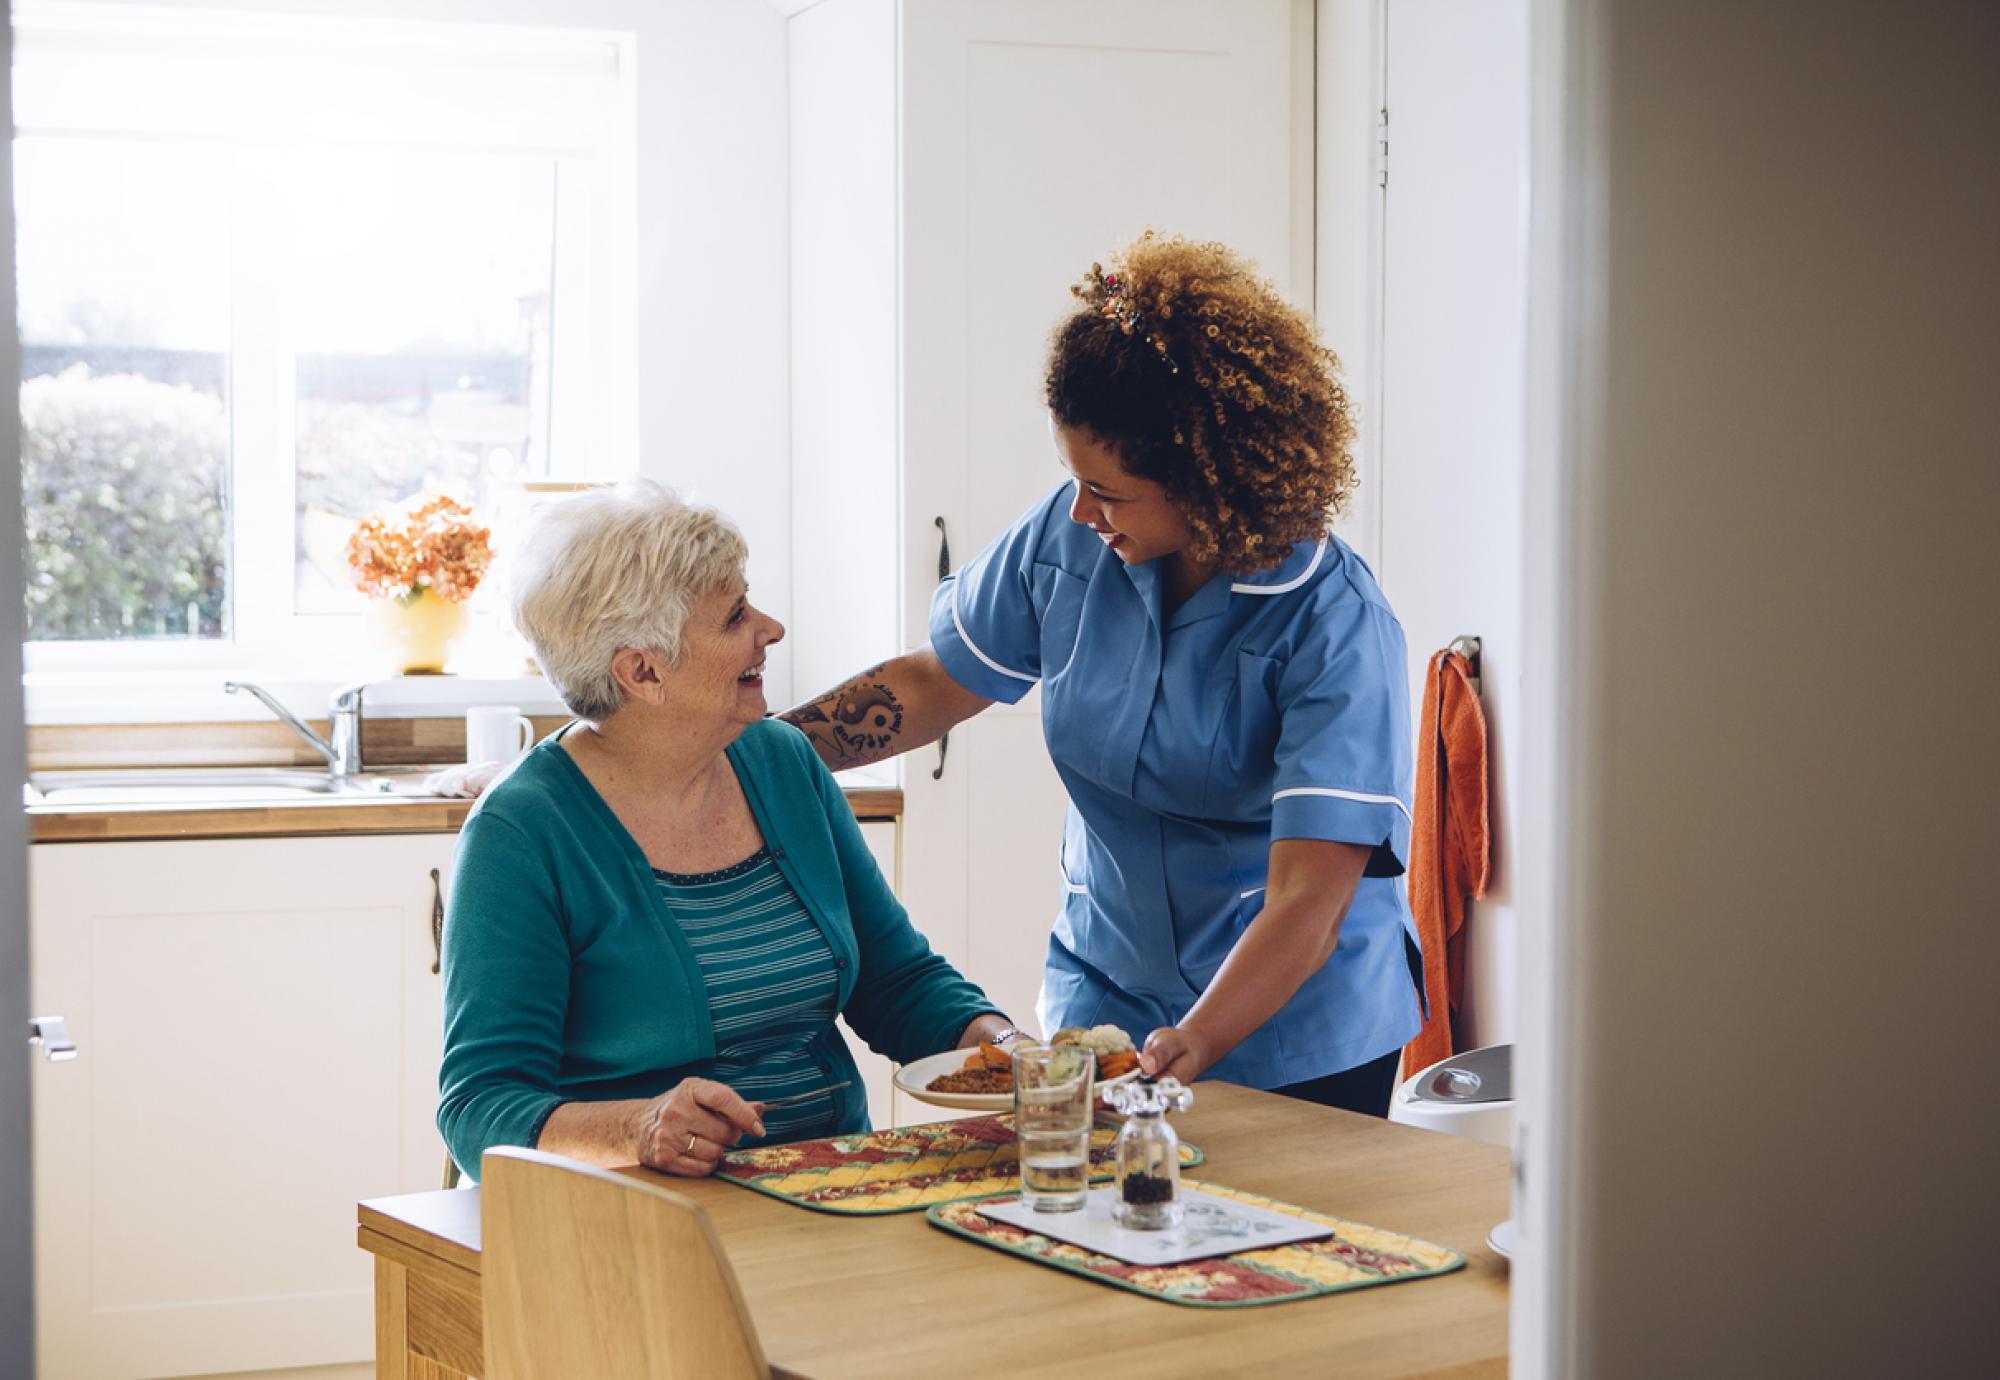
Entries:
{"x":343,"y":754}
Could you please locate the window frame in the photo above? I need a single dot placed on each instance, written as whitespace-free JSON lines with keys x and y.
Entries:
{"x":593,"y":405}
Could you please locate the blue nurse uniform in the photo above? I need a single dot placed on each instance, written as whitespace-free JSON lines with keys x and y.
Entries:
{"x":1261,"y":709}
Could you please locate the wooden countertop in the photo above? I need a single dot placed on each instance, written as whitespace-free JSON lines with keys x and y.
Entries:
{"x":839,"y":1296}
{"x":305,"y":818}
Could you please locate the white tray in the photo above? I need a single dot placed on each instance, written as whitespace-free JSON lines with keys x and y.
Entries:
{"x":1210,"y":1226}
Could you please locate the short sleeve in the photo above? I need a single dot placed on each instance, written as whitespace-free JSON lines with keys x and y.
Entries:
{"x":986,"y":627}
{"x":1345,"y":769}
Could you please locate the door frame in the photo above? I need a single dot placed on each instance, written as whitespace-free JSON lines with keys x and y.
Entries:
{"x":17,"y":1226}
{"x":1559,"y":835}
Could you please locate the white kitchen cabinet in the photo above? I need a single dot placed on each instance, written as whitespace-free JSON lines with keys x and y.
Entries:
{"x":877,"y":1073}
{"x":259,"y":1031}
{"x":956,"y":165}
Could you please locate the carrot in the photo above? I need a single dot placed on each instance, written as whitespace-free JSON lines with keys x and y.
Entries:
{"x":1114,"y":1065}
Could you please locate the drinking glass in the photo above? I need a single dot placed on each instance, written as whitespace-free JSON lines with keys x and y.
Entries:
{"x":1052,"y":1118}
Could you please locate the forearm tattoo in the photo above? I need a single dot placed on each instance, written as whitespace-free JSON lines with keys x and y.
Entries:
{"x":854,"y":723}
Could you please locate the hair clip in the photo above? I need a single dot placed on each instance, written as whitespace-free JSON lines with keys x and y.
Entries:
{"x":1116,"y":303}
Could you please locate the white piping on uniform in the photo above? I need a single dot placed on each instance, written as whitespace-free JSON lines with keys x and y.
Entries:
{"x":1067,"y":885}
{"x":1289,"y":585}
{"x":1362,"y":796}
{"x":973,"y":647}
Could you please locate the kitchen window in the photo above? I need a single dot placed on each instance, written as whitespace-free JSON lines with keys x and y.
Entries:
{"x":279,"y":272}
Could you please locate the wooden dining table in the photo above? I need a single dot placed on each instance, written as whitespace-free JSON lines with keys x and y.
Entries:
{"x":844,"y":1296}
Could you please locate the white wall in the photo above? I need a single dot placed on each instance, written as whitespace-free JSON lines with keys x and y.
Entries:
{"x":1453,"y":441}
{"x":846,"y":269}
{"x":710,"y":363}
{"x":1428,"y":305}
{"x":1774,"y":827}
{"x":1347,"y":233}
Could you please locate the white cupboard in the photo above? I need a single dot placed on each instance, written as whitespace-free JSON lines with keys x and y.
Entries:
{"x":258,"y":1027}
{"x":877,"y":1073}
{"x":955,"y":167}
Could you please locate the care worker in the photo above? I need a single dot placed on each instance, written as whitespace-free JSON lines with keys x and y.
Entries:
{"x":1224,"y":689}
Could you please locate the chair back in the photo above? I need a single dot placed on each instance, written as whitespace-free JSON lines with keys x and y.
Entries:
{"x":590,"y":1273}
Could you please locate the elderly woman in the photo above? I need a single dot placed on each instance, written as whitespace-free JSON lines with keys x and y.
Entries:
{"x":657,"y":915}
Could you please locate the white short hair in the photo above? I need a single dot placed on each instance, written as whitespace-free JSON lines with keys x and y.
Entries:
{"x":614,"y":568}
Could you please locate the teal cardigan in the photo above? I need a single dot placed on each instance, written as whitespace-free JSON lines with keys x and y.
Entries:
{"x":566,"y":979}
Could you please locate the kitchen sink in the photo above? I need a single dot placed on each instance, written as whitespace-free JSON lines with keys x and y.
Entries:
{"x":212,"y":786}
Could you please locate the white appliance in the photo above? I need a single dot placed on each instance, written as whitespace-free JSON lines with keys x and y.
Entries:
{"x":1469,"y":1094}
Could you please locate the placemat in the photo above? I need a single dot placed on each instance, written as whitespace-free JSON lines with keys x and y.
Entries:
{"x":1355,"y":1257}
{"x":905,"y":1169}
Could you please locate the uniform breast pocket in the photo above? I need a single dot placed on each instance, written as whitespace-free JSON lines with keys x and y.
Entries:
{"x":1244,"y":760}
{"x":1061,"y":602}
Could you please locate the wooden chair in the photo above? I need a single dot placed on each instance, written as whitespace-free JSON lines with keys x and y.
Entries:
{"x":590,"y":1273}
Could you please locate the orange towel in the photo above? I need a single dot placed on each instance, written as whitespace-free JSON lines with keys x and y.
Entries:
{"x":1449,"y":844}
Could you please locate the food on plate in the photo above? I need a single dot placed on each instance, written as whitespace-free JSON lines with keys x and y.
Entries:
{"x":1112,"y":1046}
{"x":987,"y":1069}
{"x":1116,"y":1065}
{"x":990,"y":1069}
{"x":975,"y":1079}
{"x":1099,"y":1040}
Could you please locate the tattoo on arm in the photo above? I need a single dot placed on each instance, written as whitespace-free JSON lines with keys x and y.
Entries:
{"x":856,"y":722}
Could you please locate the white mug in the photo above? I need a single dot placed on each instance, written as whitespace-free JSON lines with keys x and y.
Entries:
{"x":496,"y":733}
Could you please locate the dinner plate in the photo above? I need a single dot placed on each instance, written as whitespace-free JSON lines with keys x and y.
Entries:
{"x":914,"y":1078}
{"x":1501,"y":1240}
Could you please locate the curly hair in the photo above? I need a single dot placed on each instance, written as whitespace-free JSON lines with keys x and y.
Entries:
{"x":1204,"y":380}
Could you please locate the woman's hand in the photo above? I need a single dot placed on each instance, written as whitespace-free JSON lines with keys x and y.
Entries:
{"x":687,"y":1130}
{"x":1176,"y":1050}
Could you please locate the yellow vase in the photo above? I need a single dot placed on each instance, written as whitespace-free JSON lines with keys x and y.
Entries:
{"x":418,"y":631}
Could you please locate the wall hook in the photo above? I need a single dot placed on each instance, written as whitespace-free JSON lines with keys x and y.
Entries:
{"x":1468,"y":647}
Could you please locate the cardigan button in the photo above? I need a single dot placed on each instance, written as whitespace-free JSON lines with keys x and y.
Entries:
{"x":841,"y":964}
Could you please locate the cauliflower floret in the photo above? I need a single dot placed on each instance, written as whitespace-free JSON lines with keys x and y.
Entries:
{"x":1099,"y":1039}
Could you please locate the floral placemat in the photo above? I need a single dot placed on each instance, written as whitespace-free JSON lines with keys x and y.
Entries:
{"x":905,"y":1169}
{"x":1354,"y":1257}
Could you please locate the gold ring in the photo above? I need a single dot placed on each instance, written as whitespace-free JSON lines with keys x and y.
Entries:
{"x":689,"y":1152}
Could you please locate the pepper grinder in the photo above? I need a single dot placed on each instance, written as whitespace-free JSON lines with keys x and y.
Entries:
{"x":1148,"y":1152}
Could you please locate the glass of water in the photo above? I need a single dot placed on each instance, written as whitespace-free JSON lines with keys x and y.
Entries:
{"x":1052,"y":1118}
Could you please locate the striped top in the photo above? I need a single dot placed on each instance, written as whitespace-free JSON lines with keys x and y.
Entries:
{"x":772,"y":986}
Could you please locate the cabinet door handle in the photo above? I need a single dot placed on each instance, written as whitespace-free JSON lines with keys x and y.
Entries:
{"x":944,"y":572}
{"x":52,"y":1034}
{"x":437,"y":922}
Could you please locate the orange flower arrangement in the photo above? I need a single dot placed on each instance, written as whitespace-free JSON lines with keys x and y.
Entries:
{"x":435,"y":545}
